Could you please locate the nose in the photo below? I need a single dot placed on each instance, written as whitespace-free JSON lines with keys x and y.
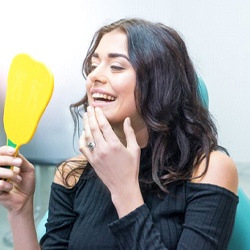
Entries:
{"x":98,"y":75}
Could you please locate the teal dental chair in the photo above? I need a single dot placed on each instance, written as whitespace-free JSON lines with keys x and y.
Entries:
{"x":240,"y":239}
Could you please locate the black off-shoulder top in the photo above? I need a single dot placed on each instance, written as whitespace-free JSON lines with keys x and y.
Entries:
{"x":191,"y":216}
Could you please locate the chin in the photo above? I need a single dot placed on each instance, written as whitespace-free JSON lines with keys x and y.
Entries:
{"x":113,"y":119}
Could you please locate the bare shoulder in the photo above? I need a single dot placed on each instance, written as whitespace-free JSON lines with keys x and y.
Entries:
{"x":221,"y":171}
{"x":69,"y":172}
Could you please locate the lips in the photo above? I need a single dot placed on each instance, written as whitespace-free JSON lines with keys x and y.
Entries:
{"x":103,"y":97}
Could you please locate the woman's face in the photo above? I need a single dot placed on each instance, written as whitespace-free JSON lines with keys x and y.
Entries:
{"x":111,"y":83}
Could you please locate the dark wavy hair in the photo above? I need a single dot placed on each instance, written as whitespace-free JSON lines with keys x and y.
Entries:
{"x":181,"y":131}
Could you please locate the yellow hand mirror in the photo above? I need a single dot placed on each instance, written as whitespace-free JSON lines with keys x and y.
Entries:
{"x":29,"y":89}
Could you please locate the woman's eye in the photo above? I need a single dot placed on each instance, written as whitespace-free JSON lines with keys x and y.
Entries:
{"x":116,"y":68}
{"x":92,"y":67}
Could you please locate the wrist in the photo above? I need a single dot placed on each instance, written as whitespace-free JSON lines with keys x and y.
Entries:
{"x":23,"y":227}
{"x":22,"y":210}
{"x":127,"y":202}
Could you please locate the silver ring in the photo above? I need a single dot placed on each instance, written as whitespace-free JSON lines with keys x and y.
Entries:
{"x":91,"y":145}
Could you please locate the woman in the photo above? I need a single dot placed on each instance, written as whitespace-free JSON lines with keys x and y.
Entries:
{"x":151,"y":174}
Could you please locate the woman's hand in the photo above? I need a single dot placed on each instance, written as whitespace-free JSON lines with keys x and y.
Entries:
{"x":18,"y":189}
{"x":117,"y":165}
{"x":16,"y":195}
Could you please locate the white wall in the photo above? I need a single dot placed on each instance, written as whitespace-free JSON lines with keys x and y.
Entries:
{"x":218,"y":37}
{"x":58,"y":33}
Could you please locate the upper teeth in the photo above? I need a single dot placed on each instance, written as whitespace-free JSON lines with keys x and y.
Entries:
{"x":103,"y":96}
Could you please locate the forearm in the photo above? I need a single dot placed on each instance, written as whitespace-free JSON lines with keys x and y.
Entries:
{"x":137,"y":231}
{"x":23,"y":229}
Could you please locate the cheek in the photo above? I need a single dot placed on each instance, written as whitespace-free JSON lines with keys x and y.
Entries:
{"x":128,"y":86}
{"x":88,"y":84}
{"x":87,"y":87}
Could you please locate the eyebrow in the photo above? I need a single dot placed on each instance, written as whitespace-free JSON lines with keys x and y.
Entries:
{"x":112,"y":55}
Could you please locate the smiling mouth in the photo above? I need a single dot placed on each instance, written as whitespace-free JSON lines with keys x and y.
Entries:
{"x":103,"y":97}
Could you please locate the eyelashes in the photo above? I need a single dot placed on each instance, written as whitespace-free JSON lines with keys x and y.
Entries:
{"x":114,"y":68}
{"x":117,"y":68}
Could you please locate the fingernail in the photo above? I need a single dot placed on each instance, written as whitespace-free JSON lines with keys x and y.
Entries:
{"x":97,"y":109}
{"x":89,"y":108}
{"x":11,"y":150}
{"x":19,"y":178}
{"x":128,"y":121}
{"x":17,"y":161}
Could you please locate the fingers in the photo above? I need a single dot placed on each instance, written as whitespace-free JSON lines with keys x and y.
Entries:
{"x":6,"y":150}
{"x":5,"y":186}
{"x":10,"y":174}
{"x":26,"y":165}
{"x":94,"y":127}
{"x":130,"y":135}
{"x":87,"y":132}
{"x":7,"y":159}
{"x":86,"y":138}
{"x":83,"y":143}
{"x":105,"y":127}
{"x":10,"y":161}
{"x":97,"y":129}
{"x":8,"y":177}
